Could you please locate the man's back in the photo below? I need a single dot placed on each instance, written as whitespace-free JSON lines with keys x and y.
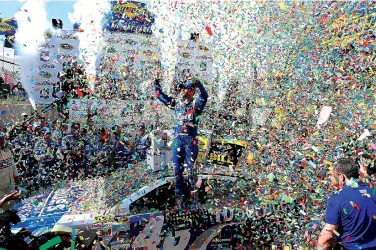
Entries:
{"x":354,"y":210}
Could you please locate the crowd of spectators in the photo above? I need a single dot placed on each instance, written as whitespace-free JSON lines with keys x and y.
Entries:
{"x":46,"y":153}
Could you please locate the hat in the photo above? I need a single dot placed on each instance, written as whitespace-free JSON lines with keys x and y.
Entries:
{"x":141,"y":125}
{"x":24,"y":114}
{"x":186,"y":85}
{"x":2,"y":135}
{"x":75,"y":125}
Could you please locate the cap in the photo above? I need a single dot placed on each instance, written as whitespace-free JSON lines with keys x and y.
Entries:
{"x":2,"y":135}
{"x":141,"y":125}
{"x":186,"y":85}
{"x":75,"y":125}
{"x":24,"y":114}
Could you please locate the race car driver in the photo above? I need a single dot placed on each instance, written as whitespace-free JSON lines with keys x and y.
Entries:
{"x":187,"y":112}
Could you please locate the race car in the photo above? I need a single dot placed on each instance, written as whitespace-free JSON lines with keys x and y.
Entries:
{"x":134,"y":207}
{"x":146,"y":218}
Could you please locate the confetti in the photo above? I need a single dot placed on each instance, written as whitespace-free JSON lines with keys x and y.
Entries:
{"x":51,"y":243}
{"x":207,"y":28}
{"x":290,"y":83}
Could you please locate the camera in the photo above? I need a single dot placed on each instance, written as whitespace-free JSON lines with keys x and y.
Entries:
{"x":8,"y":240}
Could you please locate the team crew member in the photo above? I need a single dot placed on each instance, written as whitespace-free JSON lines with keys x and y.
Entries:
{"x":351,"y":213}
{"x":142,"y":141}
{"x":186,"y":118}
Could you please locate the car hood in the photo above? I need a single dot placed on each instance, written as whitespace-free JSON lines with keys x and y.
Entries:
{"x":93,"y":197}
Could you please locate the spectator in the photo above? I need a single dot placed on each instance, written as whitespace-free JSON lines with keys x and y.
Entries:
{"x":142,"y":141}
{"x":13,"y":196}
{"x":74,"y":147}
{"x":45,"y":152}
{"x":5,"y":90}
{"x":19,"y":91}
{"x":351,"y":212}
{"x":120,"y":151}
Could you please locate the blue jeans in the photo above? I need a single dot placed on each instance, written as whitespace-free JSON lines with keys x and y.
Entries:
{"x":184,"y":153}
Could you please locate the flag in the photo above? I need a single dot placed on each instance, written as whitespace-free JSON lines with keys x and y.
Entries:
{"x":9,"y":41}
{"x":8,"y":26}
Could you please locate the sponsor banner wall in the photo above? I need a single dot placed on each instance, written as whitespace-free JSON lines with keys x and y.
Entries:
{"x":129,"y":17}
{"x":139,"y":52}
{"x":60,"y":47}
{"x":196,"y":57}
{"x":68,"y":46}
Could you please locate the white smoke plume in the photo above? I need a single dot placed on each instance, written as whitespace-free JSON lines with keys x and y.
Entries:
{"x":32,"y":23}
{"x":89,"y":14}
{"x":166,"y":32}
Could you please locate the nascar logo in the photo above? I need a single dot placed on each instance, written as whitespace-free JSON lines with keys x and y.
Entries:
{"x":149,"y":43}
{"x":130,"y":42}
{"x":149,"y":53}
{"x":186,"y":55}
{"x":47,"y":35}
{"x":111,"y":50}
{"x":203,"y":48}
{"x":66,"y":46}
{"x":45,"y":74}
{"x":110,"y":40}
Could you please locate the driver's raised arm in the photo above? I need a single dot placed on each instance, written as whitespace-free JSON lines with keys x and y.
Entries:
{"x":202,"y":98}
{"x":165,"y":99}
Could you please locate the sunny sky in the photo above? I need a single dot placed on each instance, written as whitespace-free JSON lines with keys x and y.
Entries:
{"x":55,"y":9}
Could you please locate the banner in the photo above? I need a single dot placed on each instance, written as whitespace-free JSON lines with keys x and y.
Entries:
{"x":8,"y":26}
{"x":9,"y":42}
{"x":7,"y":54}
{"x":129,"y":17}
{"x":60,"y":47}
{"x":197,"y":57}
{"x":222,"y":152}
{"x":138,"y":52}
